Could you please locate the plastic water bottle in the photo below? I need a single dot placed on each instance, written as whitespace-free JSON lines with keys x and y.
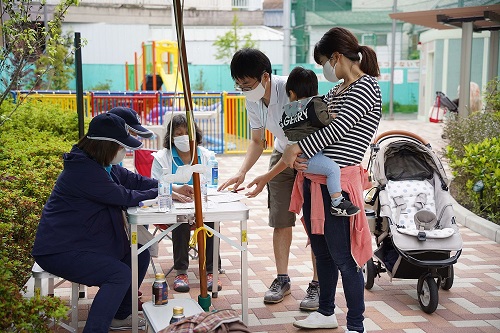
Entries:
{"x":214,"y":171}
{"x":164,"y":194}
{"x":204,"y":189}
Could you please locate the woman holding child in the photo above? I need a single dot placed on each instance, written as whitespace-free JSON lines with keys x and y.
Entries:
{"x":340,"y":243}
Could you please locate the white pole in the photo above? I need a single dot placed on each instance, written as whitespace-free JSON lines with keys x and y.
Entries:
{"x":393,"y":54}
{"x":465,"y":70}
{"x":287,"y":9}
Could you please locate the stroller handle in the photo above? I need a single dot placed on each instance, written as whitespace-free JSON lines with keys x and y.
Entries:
{"x":399,"y":133}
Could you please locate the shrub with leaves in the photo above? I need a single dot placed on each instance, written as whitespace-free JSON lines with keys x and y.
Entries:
{"x":32,"y":142}
{"x":19,"y":314}
{"x":480,"y":164}
{"x":473,"y":154}
{"x":492,"y":95}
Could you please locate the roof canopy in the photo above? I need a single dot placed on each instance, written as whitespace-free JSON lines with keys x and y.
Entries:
{"x":469,"y":19}
{"x":482,"y":17}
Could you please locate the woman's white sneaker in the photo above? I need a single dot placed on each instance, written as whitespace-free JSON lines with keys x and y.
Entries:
{"x":317,"y":320}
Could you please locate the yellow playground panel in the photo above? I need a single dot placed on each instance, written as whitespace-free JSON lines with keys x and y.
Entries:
{"x":158,"y":59}
{"x":66,"y":100}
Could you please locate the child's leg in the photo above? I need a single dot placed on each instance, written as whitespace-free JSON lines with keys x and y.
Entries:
{"x":321,"y":165}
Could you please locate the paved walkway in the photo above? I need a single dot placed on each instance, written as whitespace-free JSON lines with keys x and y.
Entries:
{"x":472,"y":304}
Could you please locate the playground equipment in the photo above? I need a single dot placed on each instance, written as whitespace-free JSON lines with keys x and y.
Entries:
{"x":155,"y":69}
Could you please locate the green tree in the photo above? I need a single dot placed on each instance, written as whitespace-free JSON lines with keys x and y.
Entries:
{"x":231,"y":41}
{"x":56,"y":69}
{"x":25,"y":39}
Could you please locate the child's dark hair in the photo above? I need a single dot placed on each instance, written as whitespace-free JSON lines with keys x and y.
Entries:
{"x":303,"y":82}
{"x":179,"y":120}
{"x":344,"y":42}
{"x":250,"y":63}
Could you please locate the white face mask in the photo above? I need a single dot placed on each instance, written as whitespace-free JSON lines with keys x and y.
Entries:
{"x":256,"y":94}
{"x":120,"y":155}
{"x":329,"y":72}
{"x":181,"y":142}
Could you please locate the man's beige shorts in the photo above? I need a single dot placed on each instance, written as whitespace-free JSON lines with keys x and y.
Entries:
{"x":279,"y":191}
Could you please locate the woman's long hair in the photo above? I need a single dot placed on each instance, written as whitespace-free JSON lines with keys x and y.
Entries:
{"x":344,"y":42}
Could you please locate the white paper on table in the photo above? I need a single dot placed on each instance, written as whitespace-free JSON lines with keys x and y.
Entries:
{"x":213,"y":191}
{"x":190,"y":205}
{"x":226,"y":197}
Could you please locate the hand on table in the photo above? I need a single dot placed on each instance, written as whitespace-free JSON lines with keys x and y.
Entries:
{"x":183,"y":193}
{"x":260,"y":182}
{"x":237,"y":180}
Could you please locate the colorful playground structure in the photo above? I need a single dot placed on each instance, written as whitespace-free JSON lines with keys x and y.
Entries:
{"x":155,"y":69}
{"x":220,"y":115}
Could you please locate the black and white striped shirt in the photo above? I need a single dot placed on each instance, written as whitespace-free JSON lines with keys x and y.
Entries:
{"x":348,"y":136}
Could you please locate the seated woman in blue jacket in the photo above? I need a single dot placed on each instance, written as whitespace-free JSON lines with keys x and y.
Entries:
{"x":82,"y":236}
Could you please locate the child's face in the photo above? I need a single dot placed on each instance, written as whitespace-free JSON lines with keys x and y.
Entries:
{"x":293,"y":96}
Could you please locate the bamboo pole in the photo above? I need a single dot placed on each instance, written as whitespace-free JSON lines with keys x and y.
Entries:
{"x":203,"y":298}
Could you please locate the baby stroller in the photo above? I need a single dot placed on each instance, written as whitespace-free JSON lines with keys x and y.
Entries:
{"x":443,"y":107}
{"x":412,"y":218}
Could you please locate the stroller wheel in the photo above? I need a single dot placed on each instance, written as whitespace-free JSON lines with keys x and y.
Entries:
{"x":427,"y":291}
{"x":447,"y":282}
{"x":369,"y":272}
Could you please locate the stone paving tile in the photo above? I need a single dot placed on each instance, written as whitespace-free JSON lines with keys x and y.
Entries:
{"x":471,"y":305}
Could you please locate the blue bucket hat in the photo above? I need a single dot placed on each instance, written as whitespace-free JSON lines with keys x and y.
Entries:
{"x":132,"y":120}
{"x":110,"y":127}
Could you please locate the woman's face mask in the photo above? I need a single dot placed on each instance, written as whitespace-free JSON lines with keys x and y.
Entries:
{"x":329,"y":72}
{"x":120,"y":155}
{"x":256,"y":94}
{"x":181,"y":142}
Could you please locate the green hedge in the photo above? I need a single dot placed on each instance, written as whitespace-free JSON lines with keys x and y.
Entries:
{"x":473,"y":152}
{"x":32,"y":142}
{"x":479,"y":163}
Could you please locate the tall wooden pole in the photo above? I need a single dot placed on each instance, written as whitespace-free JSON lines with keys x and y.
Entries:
{"x":203,"y":298}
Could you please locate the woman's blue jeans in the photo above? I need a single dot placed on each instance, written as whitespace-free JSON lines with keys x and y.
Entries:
{"x":111,"y":275}
{"x":333,"y":254}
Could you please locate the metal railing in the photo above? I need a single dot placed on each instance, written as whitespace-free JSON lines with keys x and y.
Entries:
{"x":221,"y":116}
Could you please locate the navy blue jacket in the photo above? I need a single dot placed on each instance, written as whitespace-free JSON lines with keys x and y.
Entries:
{"x":84,"y":210}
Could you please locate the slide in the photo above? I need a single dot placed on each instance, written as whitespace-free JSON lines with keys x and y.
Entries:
{"x":169,"y":80}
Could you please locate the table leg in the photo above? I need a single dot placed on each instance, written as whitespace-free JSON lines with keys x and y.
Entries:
{"x":134,"y":267}
{"x":215,"y":286}
{"x":244,"y":272}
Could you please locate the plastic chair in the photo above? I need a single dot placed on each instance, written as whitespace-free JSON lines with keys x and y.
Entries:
{"x":143,"y":160}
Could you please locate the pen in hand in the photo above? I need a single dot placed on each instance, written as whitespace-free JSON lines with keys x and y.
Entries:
{"x":236,"y":190}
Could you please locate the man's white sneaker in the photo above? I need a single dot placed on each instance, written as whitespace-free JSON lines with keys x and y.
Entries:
{"x":317,"y":320}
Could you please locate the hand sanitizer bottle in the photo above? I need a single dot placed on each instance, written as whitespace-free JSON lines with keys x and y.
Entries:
{"x":214,"y":171}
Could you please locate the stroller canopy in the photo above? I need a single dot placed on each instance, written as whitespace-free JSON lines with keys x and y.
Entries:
{"x":407,"y":160}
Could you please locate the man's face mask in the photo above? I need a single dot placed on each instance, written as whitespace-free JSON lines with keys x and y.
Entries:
{"x":256,"y":94}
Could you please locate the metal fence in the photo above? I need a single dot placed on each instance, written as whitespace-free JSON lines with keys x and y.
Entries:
{"x":221,"y":116}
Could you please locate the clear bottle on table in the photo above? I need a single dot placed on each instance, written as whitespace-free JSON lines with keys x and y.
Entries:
{"x":213,"y":165}
{"x":204,"y":189}
{"x":164,"y":193}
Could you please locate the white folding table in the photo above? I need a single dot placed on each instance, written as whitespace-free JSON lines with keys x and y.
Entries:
{"x":220,"y":212}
